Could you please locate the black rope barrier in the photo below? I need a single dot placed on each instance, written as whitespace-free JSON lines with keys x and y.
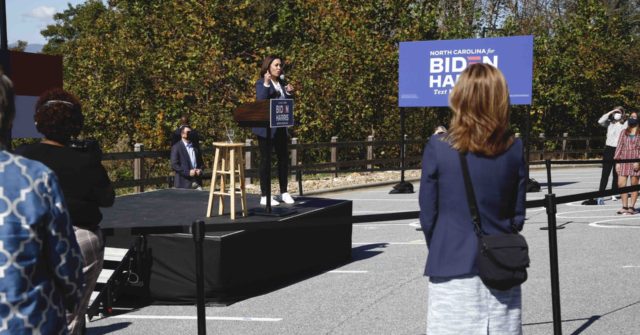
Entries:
{"x":584,"y":162}
{"x":385,"y":217}
{"x":584,"y":196}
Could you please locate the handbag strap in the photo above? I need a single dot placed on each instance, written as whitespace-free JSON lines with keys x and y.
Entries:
{"x":471,"y":197}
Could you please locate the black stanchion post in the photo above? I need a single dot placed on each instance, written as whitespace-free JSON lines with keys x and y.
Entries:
{"x":3,"y":26}
{"x":402,"y":186}
{"x":547,"y":163}
{"x":525,"y":139}
{"x":550,"y":204}
{"x":268,"y":207}
{"x":197,"y":229}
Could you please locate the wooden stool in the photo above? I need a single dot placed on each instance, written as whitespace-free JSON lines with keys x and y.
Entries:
{"x":228,"y":161}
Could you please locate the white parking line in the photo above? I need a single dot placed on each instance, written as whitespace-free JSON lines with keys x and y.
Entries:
{"x":579,"y":204}
{"x":631,"y":266}
{"x":598,"y":223}
{"x":348,"y":271}
{"x":536,"y":209}
{"x":361,"y":225}
{"x":185,"y":317}
{"x":567,"y":215}
{"x":386,"y":211}
{"x":416,"y":242}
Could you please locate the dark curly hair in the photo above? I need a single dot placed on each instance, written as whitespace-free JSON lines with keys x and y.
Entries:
{"x":58,"y":115}
{"x":7,"y":107}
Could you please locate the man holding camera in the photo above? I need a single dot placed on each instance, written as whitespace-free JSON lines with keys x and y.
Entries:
{"x":186,"y":161}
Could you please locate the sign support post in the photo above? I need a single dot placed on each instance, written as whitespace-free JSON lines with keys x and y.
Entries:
{"x":402,"y":186}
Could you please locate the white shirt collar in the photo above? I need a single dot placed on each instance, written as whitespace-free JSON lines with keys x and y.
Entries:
{"x":278,"y":87}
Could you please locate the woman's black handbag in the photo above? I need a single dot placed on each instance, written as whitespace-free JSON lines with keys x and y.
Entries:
{"x":502,"y":259}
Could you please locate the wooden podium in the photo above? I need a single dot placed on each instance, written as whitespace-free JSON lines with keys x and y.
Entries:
{"x":258,"y":114}
{"x":253,"y":114}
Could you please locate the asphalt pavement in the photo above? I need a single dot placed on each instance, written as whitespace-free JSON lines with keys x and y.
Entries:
{"x":382,"y":291}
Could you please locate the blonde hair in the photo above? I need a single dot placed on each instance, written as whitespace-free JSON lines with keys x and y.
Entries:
{"x":480,"y":105}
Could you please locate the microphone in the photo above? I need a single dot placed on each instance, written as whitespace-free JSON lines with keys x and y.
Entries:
{"x":283,"y":80}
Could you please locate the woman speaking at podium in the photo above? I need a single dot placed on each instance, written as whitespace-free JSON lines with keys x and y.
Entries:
{"x":272,"y":85}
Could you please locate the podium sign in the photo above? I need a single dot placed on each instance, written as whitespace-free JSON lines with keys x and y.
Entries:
{"x":281,"y":113}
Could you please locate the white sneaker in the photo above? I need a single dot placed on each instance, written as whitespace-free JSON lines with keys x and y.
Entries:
{"x":613,"y":198}
{"x":274,"y":202}
{"x":286,"y":198}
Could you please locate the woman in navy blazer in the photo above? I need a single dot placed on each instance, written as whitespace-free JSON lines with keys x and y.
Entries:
{"x":459,"y":303}
{"x":272,"y":86}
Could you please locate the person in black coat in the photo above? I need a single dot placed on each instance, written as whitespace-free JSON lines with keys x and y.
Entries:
{"x":186,"y":161}
{"x":84,"y":182}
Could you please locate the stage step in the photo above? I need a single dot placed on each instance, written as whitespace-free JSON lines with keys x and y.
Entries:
{"x":117,"y":263}
{"x":104,"y":276}
{"x":94,"y":295}
{"x":114,"y":254}
{"x":111,"y":255}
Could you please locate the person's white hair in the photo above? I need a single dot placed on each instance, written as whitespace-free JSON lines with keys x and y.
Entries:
{"x":440,"y":130}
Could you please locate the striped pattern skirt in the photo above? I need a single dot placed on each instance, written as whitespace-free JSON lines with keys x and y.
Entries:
{"x":91,"y":245}
{"x":464,"y":305}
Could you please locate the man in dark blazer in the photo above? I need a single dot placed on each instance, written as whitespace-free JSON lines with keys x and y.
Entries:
{"x":186,"y":161}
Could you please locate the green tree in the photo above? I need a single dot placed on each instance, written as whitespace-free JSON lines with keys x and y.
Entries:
{"x":138,"y":65}
{"x":20,"y":46}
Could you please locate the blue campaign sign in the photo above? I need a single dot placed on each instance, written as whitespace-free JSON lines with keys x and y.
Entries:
{"x":429,"y":69}
{"x":281,"y":113}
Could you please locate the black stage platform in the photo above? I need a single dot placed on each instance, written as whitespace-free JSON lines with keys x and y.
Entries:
{"x":242,"y":257}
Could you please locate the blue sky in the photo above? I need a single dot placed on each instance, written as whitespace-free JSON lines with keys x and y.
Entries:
{"x":26,"y":18}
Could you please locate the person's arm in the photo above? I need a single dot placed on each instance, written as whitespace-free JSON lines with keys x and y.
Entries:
{"x":604,"y":119}
{"x":288,"y":91}
{"x":619,"y":146}
{"x":103,"y":191}
{"x":428,"y":196}
{"x":61,"y":247}
{"x":521,"y":197}
{"x":262,"y":91}
{"x":176,"y":164}
{"x":199,"y":160}
{"x":288,"y":95}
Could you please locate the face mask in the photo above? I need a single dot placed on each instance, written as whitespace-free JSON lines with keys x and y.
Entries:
{"x":617,"y":116}
{"x":632,"y":122}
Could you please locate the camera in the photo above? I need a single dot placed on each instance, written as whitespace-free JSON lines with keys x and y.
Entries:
{"x":84,"y":145}
{"x":90,"y":146}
